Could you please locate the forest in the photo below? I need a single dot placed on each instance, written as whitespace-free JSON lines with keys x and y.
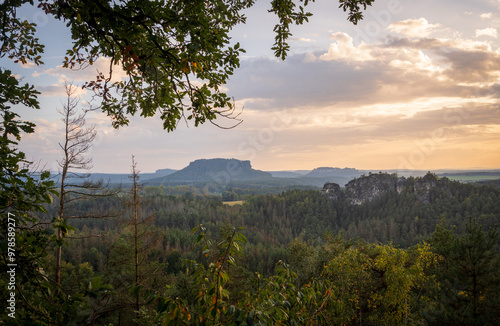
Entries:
{"x":294,"y":258}
{"x":83,"y":253}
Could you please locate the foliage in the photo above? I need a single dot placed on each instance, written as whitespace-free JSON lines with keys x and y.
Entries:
{"x":230,"y":196}
{"x":468,"y":276}
{"x":176,"y":54}
{"x":379,"y":284}
{"x":335,"y":279}
{"x":208,"y":307}
{"x":19,"y":190}
{"x":21,"y":195}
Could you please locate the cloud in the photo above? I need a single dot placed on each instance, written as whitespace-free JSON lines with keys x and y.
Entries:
{"x":76,"y":77}
{"x":88,"y":73}
{"x":437,"y":43}
{"x":59,"y":90}
{"x":401,"y":85}
{"x":398,"y":57}
{"x":343,"y":49}
{"x":471,"y":67}
{"x":413,"y":27}
{"x":27,"y":65}
{"x":302,"y":39}
{"x":490,"y":32}
{"x":310,"y":57}
{"x":486,"y":15}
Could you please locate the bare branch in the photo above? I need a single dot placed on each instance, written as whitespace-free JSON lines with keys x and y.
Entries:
{"x":78,"y":138}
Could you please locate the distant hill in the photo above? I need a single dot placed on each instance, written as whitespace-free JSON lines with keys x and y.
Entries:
{"x":319,"y":176}
{"x":337,"y":175}
{"x":286,"y":174}
{"x":216,"y":170}
{"x":216,"y":175}
{"x":114,"y":178}
{"x":164,"y":172}
{"x":334,"y":172}
{"x":472,"y":176}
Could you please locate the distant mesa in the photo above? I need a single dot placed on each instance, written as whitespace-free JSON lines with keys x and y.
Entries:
{"x":218,"y":170}
{"x":367,"y":188}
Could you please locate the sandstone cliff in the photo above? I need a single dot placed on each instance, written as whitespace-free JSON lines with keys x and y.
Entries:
{"x":367,"y":188}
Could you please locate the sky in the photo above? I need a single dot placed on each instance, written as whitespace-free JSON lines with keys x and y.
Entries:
{"x":415,"y":85}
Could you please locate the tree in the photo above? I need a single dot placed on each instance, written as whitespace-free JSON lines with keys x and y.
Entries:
{"x":135,"y":223}
{"x":230,"y":196}
{"x":74,"y":185}
{"x":22,"y":194}
{"x":468,"y":275}
{"x":20,"y":191}
{"x":134,"y":263}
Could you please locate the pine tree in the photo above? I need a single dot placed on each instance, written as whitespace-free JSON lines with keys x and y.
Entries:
{"x":469,"y":275}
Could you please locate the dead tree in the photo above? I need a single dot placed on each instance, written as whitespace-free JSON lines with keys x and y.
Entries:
{"x":74,"y":177}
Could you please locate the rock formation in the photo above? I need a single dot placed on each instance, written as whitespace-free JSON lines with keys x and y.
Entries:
{"x":333,"y":191}
{"x":367,"y":188}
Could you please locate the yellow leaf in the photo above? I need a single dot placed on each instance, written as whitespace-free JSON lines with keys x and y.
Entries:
{"x":185,"y":66}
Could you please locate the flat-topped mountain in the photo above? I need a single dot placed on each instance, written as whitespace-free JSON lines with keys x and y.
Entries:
{"x":207,"y":170}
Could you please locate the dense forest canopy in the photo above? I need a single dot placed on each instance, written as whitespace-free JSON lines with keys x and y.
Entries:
{"x":324,"y":243}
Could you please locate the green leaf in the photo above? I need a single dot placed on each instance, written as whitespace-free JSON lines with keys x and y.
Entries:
{"x":95,"y":283}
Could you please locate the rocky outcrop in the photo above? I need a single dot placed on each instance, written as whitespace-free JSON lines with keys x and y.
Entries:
{"x":429,"y":187}
{"x":401,"y":184}
{"x":367,"y":188}
{"x":423,"y":186}
{"x":333,"y":191}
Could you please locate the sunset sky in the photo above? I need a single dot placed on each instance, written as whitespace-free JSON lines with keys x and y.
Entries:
{"x":415,"y":85}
